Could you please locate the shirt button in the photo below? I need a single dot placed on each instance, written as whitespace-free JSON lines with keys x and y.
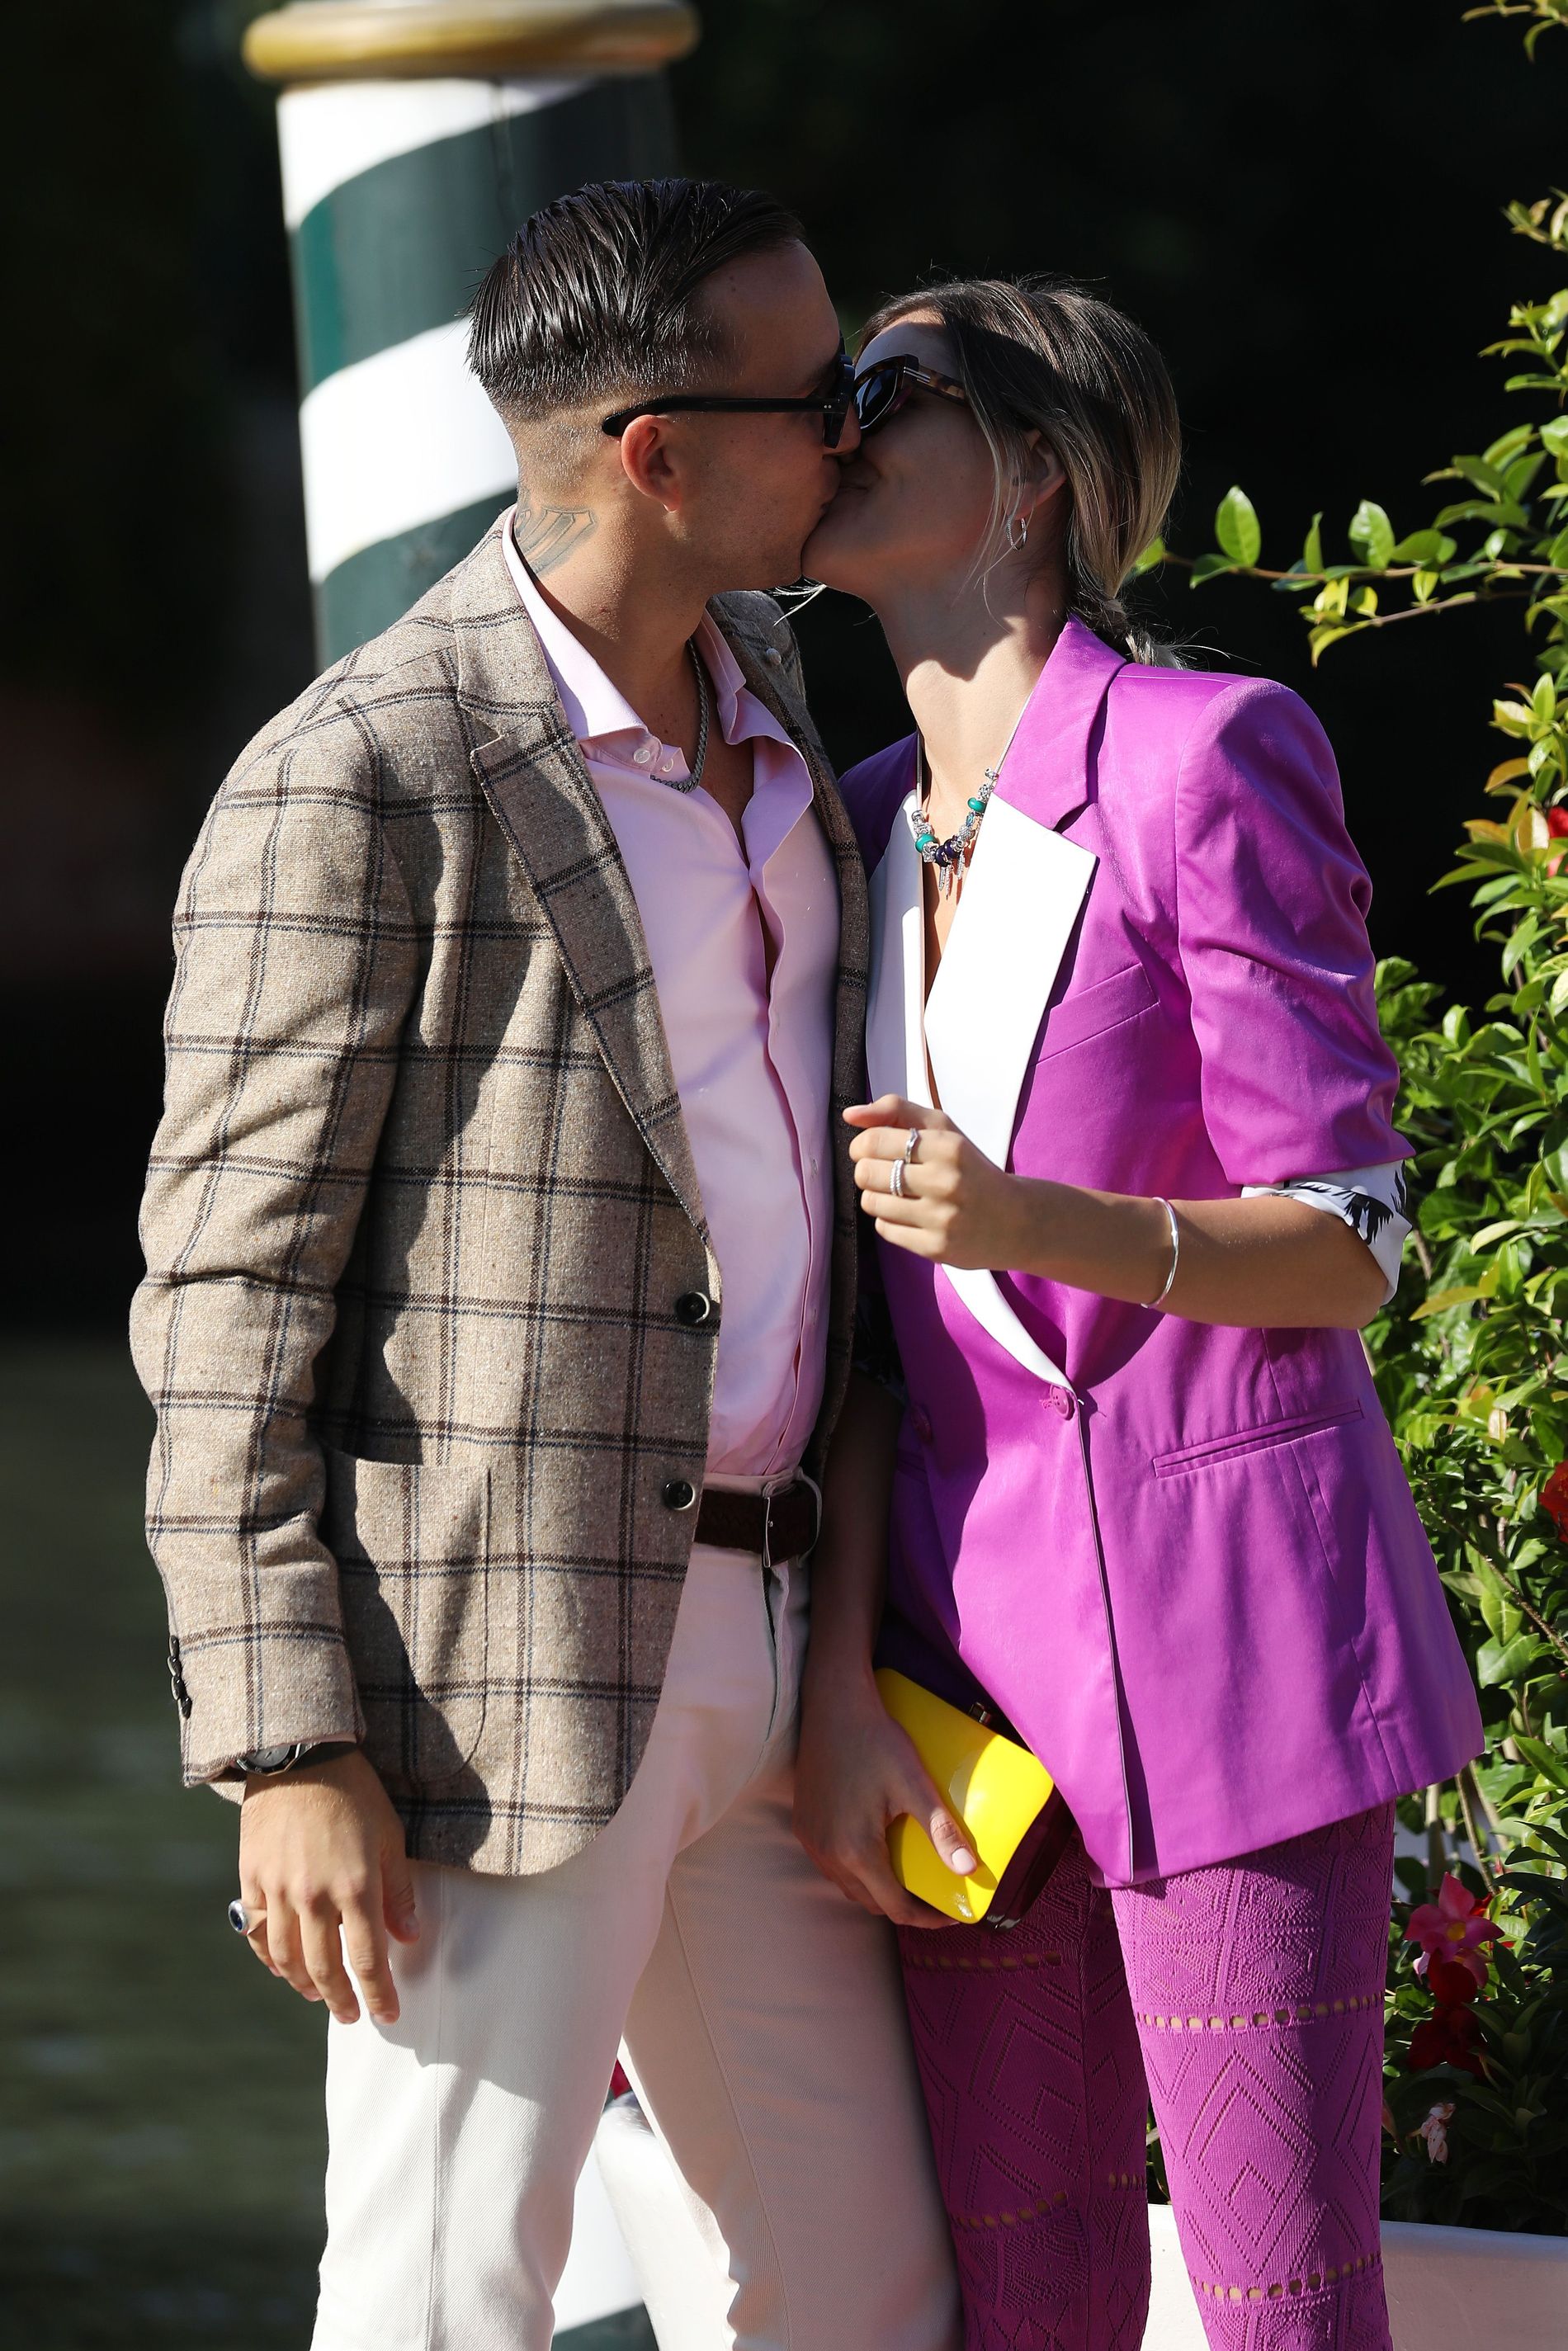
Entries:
{"x":678,"y":1493}
{"x":1061,"y":1401}
{"x":693,"y":1309}
{"x":643,"y":754}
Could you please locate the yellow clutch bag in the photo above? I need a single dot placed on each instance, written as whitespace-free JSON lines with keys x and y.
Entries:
{"x":1005,"y":1797}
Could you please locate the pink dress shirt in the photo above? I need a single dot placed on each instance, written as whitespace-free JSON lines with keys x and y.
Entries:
{"x":752,"y":1062}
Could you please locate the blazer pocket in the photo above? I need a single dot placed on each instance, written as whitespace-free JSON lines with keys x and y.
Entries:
{"x":411,"y":1540}
{"x":1216,"y":1450}
{"x":1121,"y":996}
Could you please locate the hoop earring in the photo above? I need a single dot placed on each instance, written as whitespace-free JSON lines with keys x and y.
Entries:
{"x":1023,"y":538}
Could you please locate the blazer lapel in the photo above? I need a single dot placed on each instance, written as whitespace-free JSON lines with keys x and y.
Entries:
{"x":532,"y":772}
{"x":762,"y":643}
{"x":894,"y":1027}
{"x":1022,"y":896}
{"x":758,"y":639}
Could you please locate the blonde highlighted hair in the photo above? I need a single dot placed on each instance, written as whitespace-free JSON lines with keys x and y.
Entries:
{"x":1043,"y":355}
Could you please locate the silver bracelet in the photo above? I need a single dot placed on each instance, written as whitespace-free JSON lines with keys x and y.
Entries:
{"x":1176,"y":1256}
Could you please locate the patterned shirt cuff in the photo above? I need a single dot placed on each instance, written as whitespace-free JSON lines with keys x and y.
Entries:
{"x":1374,"y":1201}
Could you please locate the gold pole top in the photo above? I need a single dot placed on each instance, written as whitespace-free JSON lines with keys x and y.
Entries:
{"x":377,"y":40}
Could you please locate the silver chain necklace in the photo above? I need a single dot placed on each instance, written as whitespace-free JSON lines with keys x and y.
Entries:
{"x":693,"y":776}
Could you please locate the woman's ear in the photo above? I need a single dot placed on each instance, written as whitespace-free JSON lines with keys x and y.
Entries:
{"x":1044,"y":479}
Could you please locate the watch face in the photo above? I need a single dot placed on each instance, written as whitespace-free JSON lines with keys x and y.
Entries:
{"x":268,"y":1758}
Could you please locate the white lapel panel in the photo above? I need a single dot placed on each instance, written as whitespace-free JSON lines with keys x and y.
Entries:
{"x":1021,"y":897}
{"x":895,"y":1021}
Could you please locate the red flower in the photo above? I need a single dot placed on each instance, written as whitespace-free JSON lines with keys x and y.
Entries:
{"x":1448,"y":2038}
{"x":1450,"y":2034}
{"x":1556,"y":827}
{"x":1554,"y":1493}
{"x":1451,"y":1984}
{"x":1453,"y":1928}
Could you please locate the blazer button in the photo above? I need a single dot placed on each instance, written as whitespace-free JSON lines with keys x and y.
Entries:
{"x":693,"y":1309}
{"x":1061,"y":1401}
{"x":920,"y":1422}
{"x":679,"y":1493}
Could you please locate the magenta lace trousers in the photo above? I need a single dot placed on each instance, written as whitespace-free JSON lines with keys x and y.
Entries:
{"x":1245,"y":2001}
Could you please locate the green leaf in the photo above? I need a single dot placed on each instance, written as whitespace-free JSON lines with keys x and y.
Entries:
{"x":1509,"y":444}
{"x":1312,"y":551}
{"x":1555,"y":433}
{"x":1237,"y":528}
{"x":1465,"y":1294}
{"x":1501,"y":511}
{"x":1371,"y":534}
{"x":1430,"y":548}
{"x":1209,"y":567}
{"x":1509,"y":1661}
{"x":1485,"y":478}
{"x":1153,"y":553}
{"x":1548,"y":1762}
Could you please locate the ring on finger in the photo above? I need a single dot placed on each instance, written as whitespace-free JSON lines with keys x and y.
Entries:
{"x":243,"y":1920}
{"x":912,"y":1145}
{"x":896,"y":1182}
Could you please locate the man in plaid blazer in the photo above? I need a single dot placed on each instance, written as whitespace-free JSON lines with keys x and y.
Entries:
{"x":500,"y":1240}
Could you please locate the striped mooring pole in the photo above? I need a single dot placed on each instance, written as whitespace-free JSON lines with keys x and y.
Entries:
{"x":416,"y":136}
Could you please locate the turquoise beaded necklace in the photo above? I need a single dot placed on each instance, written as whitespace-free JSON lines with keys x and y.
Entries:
{"x":950,"y":856}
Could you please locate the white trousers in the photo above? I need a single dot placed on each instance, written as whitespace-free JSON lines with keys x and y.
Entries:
{"x":762,"y":2021}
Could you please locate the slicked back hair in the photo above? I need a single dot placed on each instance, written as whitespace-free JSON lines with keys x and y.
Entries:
{"x":599,"y":293}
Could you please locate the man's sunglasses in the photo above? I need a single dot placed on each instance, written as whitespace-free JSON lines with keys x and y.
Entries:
{"x":885,"y":389}
{"x":832,"y":405}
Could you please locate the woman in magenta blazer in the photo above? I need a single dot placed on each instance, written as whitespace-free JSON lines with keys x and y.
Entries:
{"x":1131,"y":1165}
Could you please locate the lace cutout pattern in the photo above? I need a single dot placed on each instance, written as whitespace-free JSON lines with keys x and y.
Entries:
{"x":1255,"y":1990}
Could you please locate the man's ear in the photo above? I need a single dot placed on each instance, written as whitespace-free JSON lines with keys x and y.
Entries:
{"x":650,"y":459}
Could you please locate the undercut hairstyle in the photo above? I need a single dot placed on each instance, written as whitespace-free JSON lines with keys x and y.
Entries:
{"x":599,"y":296}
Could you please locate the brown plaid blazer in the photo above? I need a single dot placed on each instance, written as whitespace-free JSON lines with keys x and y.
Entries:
{"x":419,"y":1210}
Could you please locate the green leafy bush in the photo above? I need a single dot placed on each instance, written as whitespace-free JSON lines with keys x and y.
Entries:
{"x":1471,"y":1359}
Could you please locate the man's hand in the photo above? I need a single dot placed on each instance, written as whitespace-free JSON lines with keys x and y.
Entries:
{"x":321,"y":1854}
{"x":856,"y":1773}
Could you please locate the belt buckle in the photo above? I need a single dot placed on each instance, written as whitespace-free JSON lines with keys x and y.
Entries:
{"x":775,"y":1493}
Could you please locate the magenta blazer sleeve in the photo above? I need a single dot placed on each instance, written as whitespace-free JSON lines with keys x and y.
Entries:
{"x":1271,"y":902}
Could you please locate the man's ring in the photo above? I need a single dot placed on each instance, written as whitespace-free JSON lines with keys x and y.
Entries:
{"x":912,"y":1145}
{"x":244,"y":1922}
{"x":896,"y":1180}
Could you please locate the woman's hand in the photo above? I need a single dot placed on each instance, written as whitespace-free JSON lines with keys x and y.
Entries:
{"x":1268,"y":1262}
{"x":857,"y":1772}
{"x":958,"y":1208}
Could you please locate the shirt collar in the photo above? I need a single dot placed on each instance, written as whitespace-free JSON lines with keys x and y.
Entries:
{"x":594,"y":707}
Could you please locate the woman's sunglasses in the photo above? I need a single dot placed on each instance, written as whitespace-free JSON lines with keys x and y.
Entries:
{"x":885,"y":389}
{"x":831,"y":404}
